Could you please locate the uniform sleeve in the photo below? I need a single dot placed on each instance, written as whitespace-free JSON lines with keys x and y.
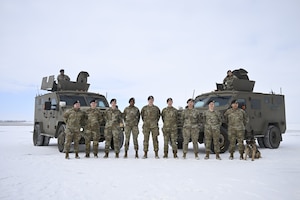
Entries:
{"x":66,"y":116}
{"x":245,"y":117}
{"x":138,"y":115}
{"x":142,"y":113}
{"x":162,"y":115}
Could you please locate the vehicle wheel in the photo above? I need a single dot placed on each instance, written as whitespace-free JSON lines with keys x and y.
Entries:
{"x":261,"y":142}
{"x":121,"y":140}
{"x":223,"y":140}
{"x":273,"y":137}
{"x":46,"y":140}
{"x":38,"y":139}
{"x":61,"y":138}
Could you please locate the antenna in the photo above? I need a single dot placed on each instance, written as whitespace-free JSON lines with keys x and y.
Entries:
{"x":193,"y":94}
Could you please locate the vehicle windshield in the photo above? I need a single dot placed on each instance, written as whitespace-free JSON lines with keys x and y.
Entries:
{"x":219,"y":101}
{"x":84,"y":100}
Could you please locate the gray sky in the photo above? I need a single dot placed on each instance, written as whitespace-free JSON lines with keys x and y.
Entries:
{"x":139,"y":48}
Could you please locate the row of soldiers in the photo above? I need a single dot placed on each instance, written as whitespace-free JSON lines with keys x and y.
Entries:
{"x":75,"y":119}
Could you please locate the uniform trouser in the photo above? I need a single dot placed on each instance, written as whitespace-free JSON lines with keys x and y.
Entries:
{"x":155,"y":133}
{"x":72,"y":136}
{"x":135,"y":133}
{"x":234,"y":135}
{"x":91,"y":135}
{"x":170,"y":134}
{"x":109,"y":133}
{"x":212,"y":134}
{"x":189,"y":133}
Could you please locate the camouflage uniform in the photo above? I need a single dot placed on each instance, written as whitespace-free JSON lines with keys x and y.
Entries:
{"x":113,"y":119}
{"x":131,"y":116}
{"x":212,"y":123}
{"x":150,"y":116}
{"x":237,"y":120}
{"x":191,"y":120}
{"x":92,"y":130}
{"x":228,"y":82}
{"x":170,"y":117}
{"x":74,"y":119}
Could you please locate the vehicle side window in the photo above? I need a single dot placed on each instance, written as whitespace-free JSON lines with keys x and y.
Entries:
{"x":255,"y":104}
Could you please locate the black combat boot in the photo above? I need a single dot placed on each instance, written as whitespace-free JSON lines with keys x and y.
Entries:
{"x":145,"y":155}
{"x":95,"y":155}
{"x":106,"y":155}
{"x":184,"y":155}
{"x":125,"y":155}
{"x":165,"y":155}
{"x":156,"y":155}
{"x":67,"y":155}
{"x":87,"y":155}
{"x":117,"y":155}
{"x":136,"y":154}
{"x":218,"y":156}
{"x":76,"y":155}
{"x":207,"y":155}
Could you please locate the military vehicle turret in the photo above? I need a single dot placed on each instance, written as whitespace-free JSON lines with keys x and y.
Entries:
{"x":267,"y":121}
{"x":49,"y":109}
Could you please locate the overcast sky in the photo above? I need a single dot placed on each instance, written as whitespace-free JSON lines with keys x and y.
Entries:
{"x":139,"y":48}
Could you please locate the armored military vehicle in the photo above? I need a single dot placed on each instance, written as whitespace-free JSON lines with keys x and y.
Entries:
{"x":50,"y":107}
{"x":266,"y":112}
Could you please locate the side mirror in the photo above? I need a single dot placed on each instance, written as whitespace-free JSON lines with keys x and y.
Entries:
{"x":62,"y":104}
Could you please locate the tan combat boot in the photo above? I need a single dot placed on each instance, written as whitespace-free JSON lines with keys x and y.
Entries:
{"x":175,"y":154}
{"x":196,"y":156}
{"x":76,"y":155}
{"x":106,"y":155}
{"x":231,"y":156}
{"x":241,"y":155}
{"x":145,"y":155}
{"x":207,"y":155}
{"x":67,"y":155}
{"x":165,"y":155}
{"x":156,"y":155}
{"x":218,"y":156}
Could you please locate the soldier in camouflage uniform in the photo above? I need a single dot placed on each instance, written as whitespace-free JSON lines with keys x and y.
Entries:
{"x":236,"y":119}
{"x":113,"y":121}
{"x":228,"y":80}
{"x":212,"y":122}
{"x":191,"y":120}
{"x":169,"y":116}
{"x":74,"y":119}
{"x":150,"y":116}
{"x":92,"y":129}
{"x":131,"y":116}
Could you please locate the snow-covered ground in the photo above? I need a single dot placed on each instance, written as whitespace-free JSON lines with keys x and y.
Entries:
{"x":30,"y":172}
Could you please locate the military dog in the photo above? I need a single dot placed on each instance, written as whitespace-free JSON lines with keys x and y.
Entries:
{"x":251,"y":150}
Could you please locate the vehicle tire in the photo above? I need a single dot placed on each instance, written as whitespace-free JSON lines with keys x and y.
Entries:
{"x":223,"y":140}
{"x":121,"y":140}
{"x":261,"y":142}
{"x":38,"y":139}
{"x":61,"y":138}
{"x":273,"y":137}
{"x":46,"y":140}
